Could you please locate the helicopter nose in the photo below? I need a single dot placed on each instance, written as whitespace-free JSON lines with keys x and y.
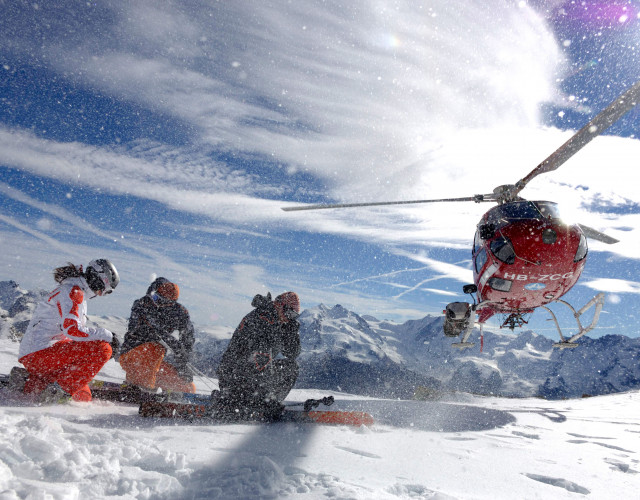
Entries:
{"x":549,"y":236}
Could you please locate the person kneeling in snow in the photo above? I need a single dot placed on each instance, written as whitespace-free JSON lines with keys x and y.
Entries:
{"x":259,"y":369}
{"x":58,"y":347}
{"x":153,"y":320}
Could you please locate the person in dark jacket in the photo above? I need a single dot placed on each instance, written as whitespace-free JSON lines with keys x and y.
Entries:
{"x":259,"y":368}
{"x":154,"y":319}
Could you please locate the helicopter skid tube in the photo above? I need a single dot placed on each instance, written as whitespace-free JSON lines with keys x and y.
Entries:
{"x":565,"y":343}
{"x":462,"y":345}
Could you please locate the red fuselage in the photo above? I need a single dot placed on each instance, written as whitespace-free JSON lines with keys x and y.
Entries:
{"x":524,"y":256}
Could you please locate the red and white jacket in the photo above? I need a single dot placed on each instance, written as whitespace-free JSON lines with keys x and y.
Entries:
{"x":61,"y":317}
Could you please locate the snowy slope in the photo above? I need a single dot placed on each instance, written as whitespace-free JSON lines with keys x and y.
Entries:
{"x":467,"y":447}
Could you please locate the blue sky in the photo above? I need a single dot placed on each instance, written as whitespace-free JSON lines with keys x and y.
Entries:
{"x":167,"y":135}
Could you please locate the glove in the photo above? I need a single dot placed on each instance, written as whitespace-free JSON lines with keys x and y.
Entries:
{"x":103,"y":334}
{"x":115,"y":347}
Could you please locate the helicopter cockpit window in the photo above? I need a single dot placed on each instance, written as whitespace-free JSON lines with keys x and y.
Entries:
{"x":581,"y":253}
{"x":503,"y":250}
{"x":502,"y":215}
{"x":476,"y":243}
{"x":519,"y":210}
{"x":481,"y":259}
{"x":500,"y":284}
{"x":548,"y":209}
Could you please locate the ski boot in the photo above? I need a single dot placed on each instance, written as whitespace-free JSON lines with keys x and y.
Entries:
{"x":17,"y":378}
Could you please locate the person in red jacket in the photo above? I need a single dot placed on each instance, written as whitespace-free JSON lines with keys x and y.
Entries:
{"x":58,"y":347}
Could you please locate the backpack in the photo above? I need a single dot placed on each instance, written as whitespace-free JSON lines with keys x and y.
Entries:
{"x":261,"y":301}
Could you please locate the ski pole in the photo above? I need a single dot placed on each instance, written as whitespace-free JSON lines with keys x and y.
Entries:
{"x":200,"y":374}
{"x":192,"y":368}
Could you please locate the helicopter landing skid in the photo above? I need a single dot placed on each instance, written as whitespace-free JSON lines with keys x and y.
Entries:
{"x":565,"y":345}
{"x":462,"y":345}
{"x":570,"y":343}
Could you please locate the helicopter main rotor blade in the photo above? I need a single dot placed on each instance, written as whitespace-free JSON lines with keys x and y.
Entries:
{"x":477,"y":198}
{"x":594,"y":234}
{"x":601,"y":122}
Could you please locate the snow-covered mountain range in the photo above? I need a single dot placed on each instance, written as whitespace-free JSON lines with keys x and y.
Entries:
{"x":344,"y":351}
{"x":401,"y":356}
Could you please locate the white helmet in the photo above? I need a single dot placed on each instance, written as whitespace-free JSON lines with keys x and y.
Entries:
{"x":102,"y":276}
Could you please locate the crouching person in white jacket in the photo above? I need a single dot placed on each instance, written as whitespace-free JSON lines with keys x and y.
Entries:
{"x":58,"y":347}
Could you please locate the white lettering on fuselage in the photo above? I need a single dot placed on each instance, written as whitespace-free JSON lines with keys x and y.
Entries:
{"x":540,"y":277}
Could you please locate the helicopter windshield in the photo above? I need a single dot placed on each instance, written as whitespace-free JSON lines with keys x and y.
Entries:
{"x":519,"y":210}
{"x":525,"y":210}
{"x":548,"y":209}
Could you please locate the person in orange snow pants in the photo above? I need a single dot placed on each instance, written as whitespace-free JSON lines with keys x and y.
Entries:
{"x":71,"y":364}
{"x":150,"y":334}
{"x":58,"y":346}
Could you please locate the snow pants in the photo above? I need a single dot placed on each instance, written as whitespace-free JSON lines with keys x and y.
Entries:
{"x":145,"y":367}
{"x":69,"y":363}
{"x":253,"y":387}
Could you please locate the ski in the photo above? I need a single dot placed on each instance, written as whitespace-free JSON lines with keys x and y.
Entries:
{"x":121,"y":392}
{"x":118,"y":392}
{"x":196,"y":411}
{"x":127,"y":393}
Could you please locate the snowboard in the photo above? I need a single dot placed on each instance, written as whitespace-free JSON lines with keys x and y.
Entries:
{"x":199,"y":411}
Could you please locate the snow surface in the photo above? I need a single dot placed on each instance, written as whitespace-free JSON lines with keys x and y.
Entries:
{"x":461,"y":447}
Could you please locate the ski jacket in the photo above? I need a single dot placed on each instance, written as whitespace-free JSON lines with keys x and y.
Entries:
{"x":260,"y":339}
{"x":61,"y":318}
{"x":154,"y":319}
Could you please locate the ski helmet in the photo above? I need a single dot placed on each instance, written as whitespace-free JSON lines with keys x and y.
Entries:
{"x":169,"y":291}
{"x":289,"y":304}
{"x":102,"y":276}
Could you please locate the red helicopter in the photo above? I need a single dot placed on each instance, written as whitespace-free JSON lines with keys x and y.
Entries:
{"x":524,"y":256}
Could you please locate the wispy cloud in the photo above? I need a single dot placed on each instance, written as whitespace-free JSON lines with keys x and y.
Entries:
{"x":612,"y":285}
{"x":334,"y":90}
